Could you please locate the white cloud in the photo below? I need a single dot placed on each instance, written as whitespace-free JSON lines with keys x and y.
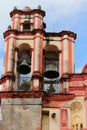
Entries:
{"x":63,"y":9}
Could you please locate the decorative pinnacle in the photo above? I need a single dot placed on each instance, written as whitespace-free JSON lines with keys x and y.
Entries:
{"x":39,"y":7}
{"x":15,"y":8}
{"x":9,"y":27}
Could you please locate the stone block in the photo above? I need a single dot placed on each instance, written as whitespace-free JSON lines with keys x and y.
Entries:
{"x":21,"y":114}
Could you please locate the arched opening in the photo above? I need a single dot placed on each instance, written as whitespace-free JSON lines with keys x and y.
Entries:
{"x":24,"y":67}
{"x":51,"y":69}
{"x":51,"y":65}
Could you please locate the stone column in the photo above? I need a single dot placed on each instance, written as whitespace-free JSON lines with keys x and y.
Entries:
{"x":16,"y":22}
{"x":15,"y":71}
{"x":64,"y":119}
{"x":10,"y":53}
{"x":84,"y":115}
{"x":65,"y":54}
{"x":36,"y":76}
{"x":73,"y":62}
{"x":60,"y":64}
{"x":69,"y":119}
{"x":36,"y":21}
{"x":85,"y":109}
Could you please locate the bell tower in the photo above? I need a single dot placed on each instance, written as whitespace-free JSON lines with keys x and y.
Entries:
{"x":33,"y":56}
{"x":40,"y":89}
{"x":24,"y":49}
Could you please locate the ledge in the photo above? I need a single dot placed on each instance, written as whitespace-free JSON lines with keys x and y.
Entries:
{"x":21,"y":94}
{"x":37,"y":94}
{"x":59,"y":97}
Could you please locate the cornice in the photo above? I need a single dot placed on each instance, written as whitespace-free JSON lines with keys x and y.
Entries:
{"x":61,"y":34}
{"x":21,"y":12}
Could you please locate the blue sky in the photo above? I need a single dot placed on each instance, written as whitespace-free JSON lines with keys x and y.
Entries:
{"x":61,"y":15}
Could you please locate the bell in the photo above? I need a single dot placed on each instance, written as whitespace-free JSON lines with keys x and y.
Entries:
{"x":51,"y":71}
{"x":23,"y":67}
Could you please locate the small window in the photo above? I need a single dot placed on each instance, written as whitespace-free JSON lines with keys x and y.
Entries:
{"x":26,"y":26}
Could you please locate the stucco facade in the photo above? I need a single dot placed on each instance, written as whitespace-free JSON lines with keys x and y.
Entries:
{"x":40,"y":89}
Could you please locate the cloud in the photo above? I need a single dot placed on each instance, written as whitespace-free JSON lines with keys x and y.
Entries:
{"x":66,"y":7}
{"x":62,"y":10}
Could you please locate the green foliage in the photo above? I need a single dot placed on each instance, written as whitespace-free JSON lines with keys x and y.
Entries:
{"x":25,"y":86}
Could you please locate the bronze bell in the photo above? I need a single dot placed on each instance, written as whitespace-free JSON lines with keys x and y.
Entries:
{"x":51,"y":71}
{"x":23,"y":67}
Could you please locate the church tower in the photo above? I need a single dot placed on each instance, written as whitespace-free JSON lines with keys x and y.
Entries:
{"x":24,"y":49}
{"x":40,"y":89}
{"x":31,"y":54}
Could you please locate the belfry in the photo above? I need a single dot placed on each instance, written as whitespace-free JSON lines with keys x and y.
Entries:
{"x":40,"y":89}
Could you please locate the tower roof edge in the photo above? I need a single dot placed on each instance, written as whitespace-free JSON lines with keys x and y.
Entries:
{"x":27,"y":10}
{"x":62,"y":33}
